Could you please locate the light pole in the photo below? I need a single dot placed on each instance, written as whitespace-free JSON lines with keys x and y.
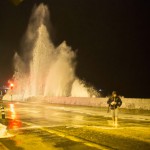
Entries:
{"x":11,"y":87}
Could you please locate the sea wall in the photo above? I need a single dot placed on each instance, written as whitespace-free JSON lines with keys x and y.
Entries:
{"x":128,"y":103}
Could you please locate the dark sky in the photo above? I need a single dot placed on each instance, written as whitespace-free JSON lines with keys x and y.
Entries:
{"x":111,"y":38}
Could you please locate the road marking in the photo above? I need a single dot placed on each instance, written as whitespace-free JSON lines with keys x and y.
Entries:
{"x":8,"y":135}
{"x":3,"y":147}
{"x":103,"y":127}
{"x":72,"y":138}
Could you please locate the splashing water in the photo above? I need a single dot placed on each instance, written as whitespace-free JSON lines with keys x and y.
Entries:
{"x":45,"y":69}
{"x":3,"y":131}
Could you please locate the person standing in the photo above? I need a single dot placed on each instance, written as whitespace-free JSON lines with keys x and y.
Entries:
{"x":114,"y":102}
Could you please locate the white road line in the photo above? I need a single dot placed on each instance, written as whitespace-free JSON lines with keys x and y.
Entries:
{"x":72,"y":138}
{"x":3,"y":147}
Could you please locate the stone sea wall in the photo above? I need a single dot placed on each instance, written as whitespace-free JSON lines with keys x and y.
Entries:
{"x":128,"y":103}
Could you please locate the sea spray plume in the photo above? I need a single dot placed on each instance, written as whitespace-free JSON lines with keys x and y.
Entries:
{"x":37,"y":48}
{"x":61,"y":74}
{"x":45,"y":69}
{"x":20,"y":76}
{"x":51,"y":70}
{"x":40,"y":15}
{"x":79,"y":89}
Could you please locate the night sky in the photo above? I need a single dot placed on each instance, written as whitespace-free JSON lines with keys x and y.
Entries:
{"x":111,"y":38}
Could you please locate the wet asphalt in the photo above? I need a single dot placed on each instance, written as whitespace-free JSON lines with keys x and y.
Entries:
{"x":45,"y":126}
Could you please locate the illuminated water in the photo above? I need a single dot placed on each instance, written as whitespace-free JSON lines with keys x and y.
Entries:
{"x":44,"y":69}
{"x":3,"y":131}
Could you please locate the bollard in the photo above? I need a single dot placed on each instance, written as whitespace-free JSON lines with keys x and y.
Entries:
{"x":2,"y":112}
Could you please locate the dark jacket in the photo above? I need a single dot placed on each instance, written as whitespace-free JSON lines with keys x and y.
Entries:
{"x":114,"y":99}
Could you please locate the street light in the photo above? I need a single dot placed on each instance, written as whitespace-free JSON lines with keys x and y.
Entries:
{"x":11,"y":87}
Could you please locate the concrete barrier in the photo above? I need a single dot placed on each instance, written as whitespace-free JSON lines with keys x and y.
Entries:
{"x":128,"y":103}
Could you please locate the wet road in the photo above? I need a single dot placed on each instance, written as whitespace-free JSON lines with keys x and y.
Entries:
{"x":57,"y":127}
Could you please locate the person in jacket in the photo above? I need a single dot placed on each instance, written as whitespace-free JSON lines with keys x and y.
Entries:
{"x":114,"y":102}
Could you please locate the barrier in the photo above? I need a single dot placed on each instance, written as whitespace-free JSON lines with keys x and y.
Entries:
{"x":128,"y":103}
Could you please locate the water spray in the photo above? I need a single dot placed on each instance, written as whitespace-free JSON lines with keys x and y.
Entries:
{"x":45,"y":70}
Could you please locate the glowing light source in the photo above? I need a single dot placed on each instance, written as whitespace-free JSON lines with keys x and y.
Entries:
{"x":11,"y":86}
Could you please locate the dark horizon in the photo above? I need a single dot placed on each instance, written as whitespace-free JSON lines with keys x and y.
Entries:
{"x":111,"y":40}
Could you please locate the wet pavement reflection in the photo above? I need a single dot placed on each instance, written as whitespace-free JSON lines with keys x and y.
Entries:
{"x":59,"y":127}
{"x":13,"y":122}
